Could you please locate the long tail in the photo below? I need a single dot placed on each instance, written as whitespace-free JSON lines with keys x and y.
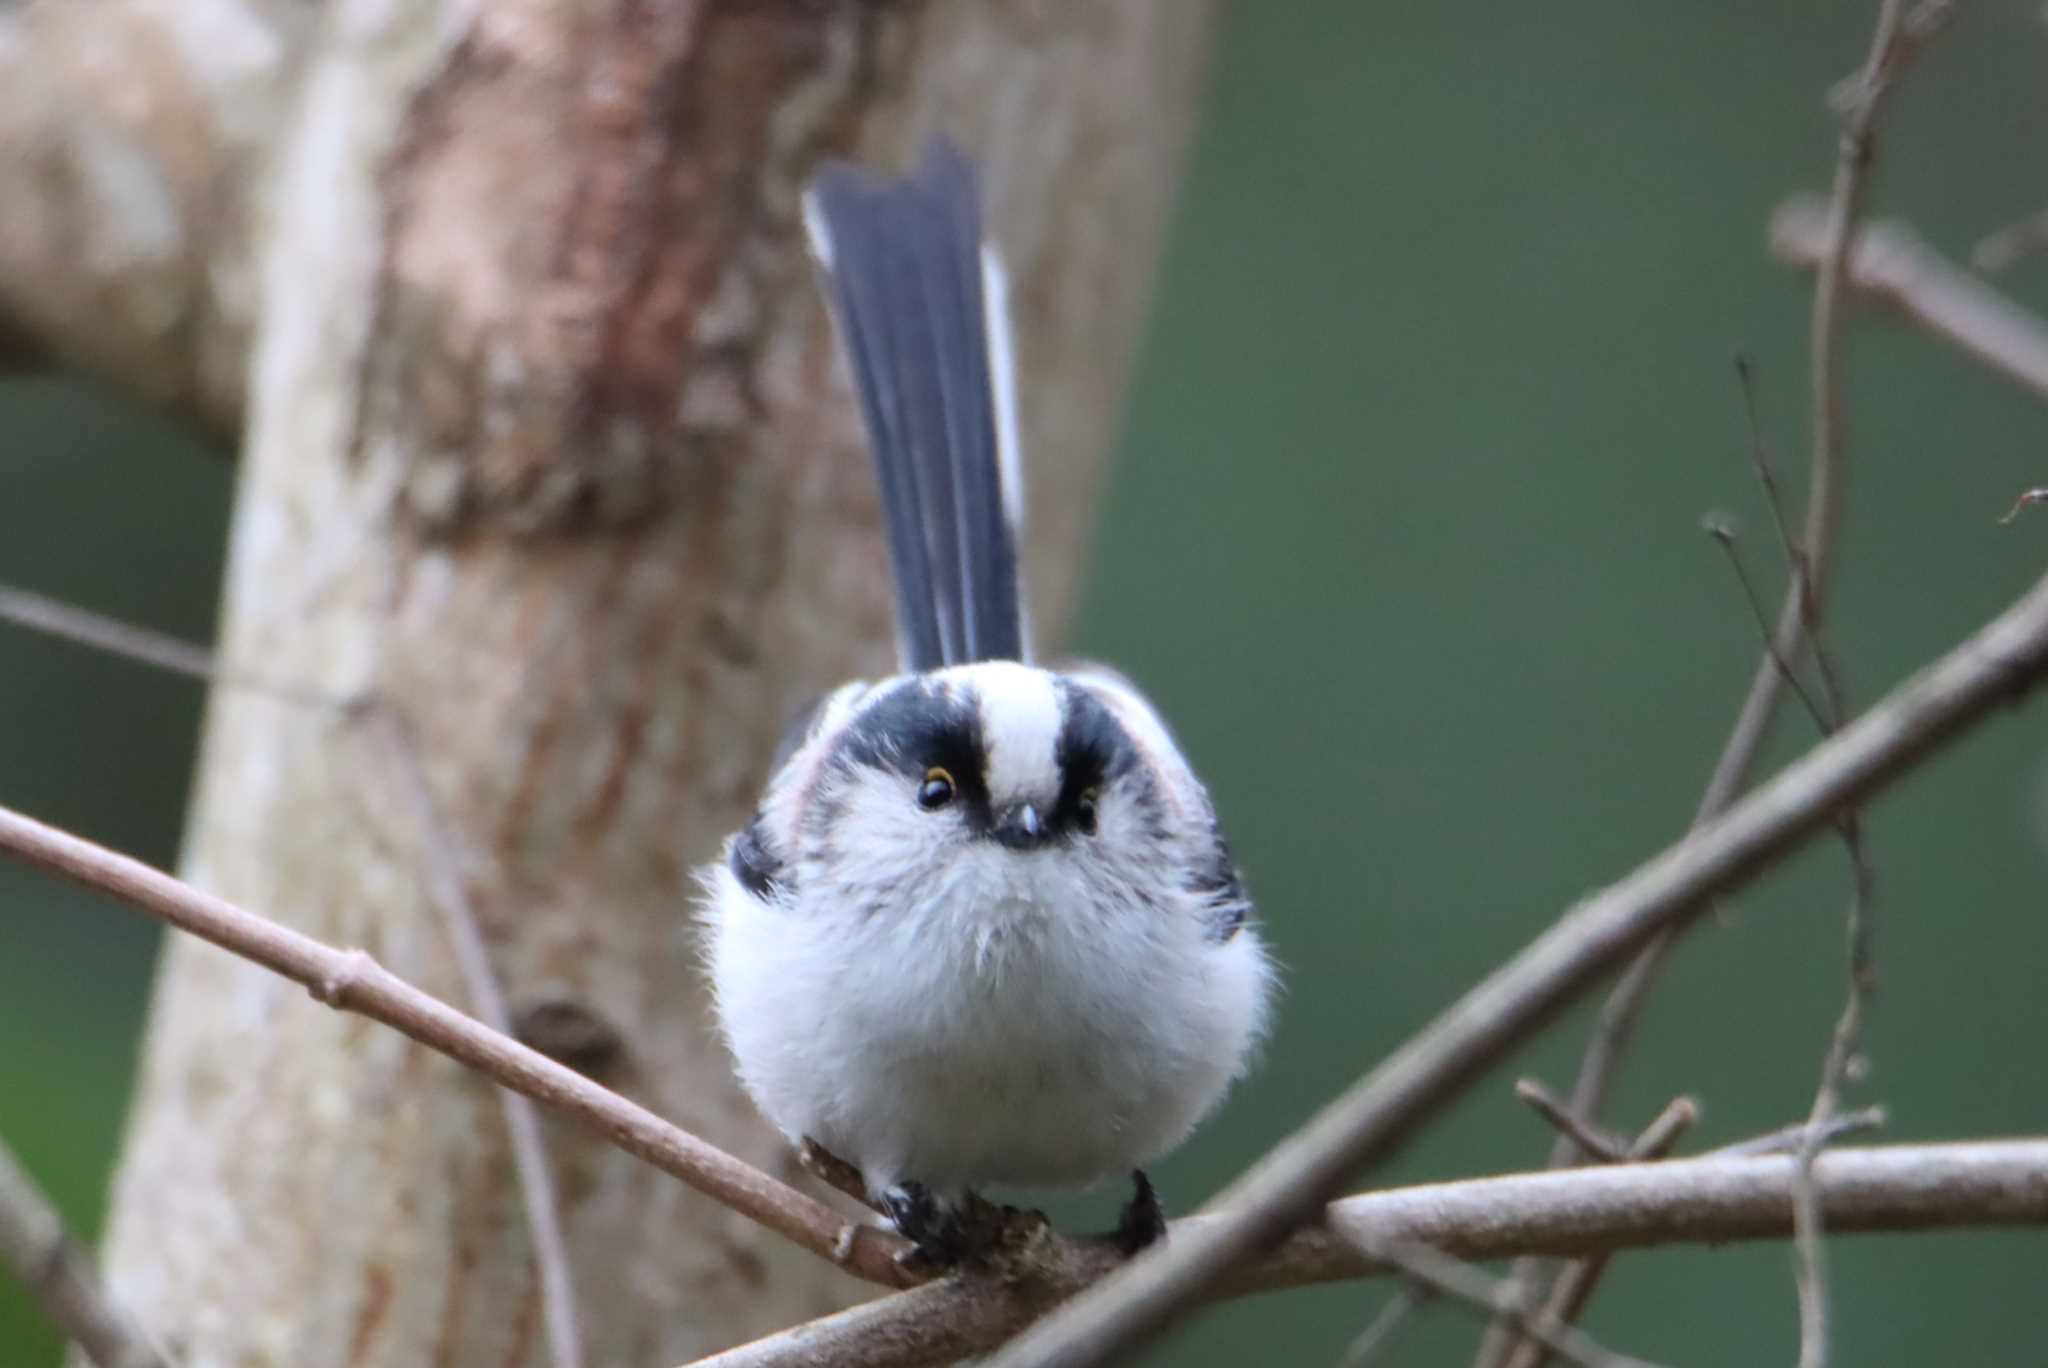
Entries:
{"x":910,"y":287}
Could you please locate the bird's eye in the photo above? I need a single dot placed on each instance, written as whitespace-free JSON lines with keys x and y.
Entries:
{"x":937,"y":789}
{"x":1084,"y":813}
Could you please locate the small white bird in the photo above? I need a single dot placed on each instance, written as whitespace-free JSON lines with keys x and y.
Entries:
{"x":984,"y":929}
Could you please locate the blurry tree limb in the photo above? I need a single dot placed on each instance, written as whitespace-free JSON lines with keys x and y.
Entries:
{"x":134,"y":137}
{"x":351,"y":981}
{"x":2002,"y":249}
{"x":40,"y":1254}
{"x":1993,"y":668}
{"x":1891,"y":266}
{"x":1714,"y":1199}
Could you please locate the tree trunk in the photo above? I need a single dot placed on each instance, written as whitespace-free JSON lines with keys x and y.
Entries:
{"x":546,"y":448}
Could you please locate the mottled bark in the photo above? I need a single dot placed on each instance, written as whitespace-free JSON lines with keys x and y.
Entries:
{"x":546,"y":446}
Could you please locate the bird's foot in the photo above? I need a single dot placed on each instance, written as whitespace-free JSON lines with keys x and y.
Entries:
{"x":1143,"y":1220}
{"x":972,"y":1230}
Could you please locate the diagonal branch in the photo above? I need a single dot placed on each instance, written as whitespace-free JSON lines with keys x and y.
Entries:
{"x":1893,"y":267}
{"x":349,"y":980}
{"x":1378,"y":1112}
{"x":1713,"y":1199}
{"x":37,"y":1250}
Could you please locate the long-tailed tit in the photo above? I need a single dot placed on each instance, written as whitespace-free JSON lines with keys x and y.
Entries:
{"x":984,"y":929}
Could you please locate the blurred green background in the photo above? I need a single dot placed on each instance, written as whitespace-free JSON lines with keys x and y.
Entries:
{"x":1403,"y":533}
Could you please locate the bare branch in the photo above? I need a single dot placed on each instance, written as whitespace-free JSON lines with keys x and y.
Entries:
{"x":1893,"y":267}
{"x":41,"y":1255}
{"x":351,"y":981}
{"x":1713,"y":1199}
{"x":1371,"y":1118}
{"x":144,"y":645}
{"x":133,"y":146}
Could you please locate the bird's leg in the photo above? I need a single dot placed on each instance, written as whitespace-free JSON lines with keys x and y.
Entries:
{"x":829,"y":1169}
{"x":1143,"y":1220}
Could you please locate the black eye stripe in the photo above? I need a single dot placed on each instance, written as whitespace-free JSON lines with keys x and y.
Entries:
{"x":1093,"y":750}
{"x":916,"y":727}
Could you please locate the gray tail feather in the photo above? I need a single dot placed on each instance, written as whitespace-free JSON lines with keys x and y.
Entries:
{"x":904,"y":268}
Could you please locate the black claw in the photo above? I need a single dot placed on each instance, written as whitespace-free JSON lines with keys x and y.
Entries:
{"x":1143,"y":1220}
{"x":942,"y":1236}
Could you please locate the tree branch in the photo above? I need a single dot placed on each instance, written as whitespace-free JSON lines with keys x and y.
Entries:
{"x":133,"y":143}
{"x":1369,"y":1120}
{"x":1892,"y":266}
{"x":349,"y":980}
{"x":60,"y":1279}
{"x":1714,"y":1199}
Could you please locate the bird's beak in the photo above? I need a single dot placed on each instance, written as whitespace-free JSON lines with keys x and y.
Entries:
{"x":1021,"y":828}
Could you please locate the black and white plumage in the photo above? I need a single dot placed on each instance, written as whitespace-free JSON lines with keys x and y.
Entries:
{"x":984,"y":929}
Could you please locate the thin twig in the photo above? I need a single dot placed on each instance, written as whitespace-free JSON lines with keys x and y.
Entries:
{"x":1573,"y":1288}
{"x":1766,"y":472}
{"x":1461,"y":1283}
{"x":350,"y":980}
{"x":1379,"y":1111}
{"x":1596,"y":1142}
{"x":450,"y":895}
{"x":146,"y":646}
{"x":1787,"y":1139}
{"x":1709,"y":1200}
{"x":1388,"y":1328}
{"x":1835,"y":1069}
{"x":40,"y":1254}
{"x":1724,"y":537}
